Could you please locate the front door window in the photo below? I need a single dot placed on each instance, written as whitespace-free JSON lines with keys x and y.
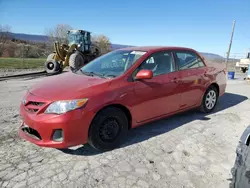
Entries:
{"x":159,"y":93}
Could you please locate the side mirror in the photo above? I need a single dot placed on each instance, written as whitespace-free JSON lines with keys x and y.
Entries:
{"x":144,"y":74}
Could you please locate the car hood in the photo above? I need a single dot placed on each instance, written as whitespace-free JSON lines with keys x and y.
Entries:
{"x":67,"y":86}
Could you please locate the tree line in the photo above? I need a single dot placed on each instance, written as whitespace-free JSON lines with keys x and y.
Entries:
{"x":11,"y":47}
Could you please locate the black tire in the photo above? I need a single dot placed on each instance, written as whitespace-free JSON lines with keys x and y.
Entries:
{"x":52,"y":67}
{"x":50,"y":56}
{"x":244,"y":70}
{"x":76,"y":61}
{"x":95,"y":51}
{"x":115,"y":121}
{"x":204,"y":107}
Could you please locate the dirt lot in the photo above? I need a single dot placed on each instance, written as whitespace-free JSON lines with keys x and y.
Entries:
{"x":187,"y":150}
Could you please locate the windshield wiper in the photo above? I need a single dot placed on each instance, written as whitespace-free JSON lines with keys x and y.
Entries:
{"x":92,"y":74}
{"x":110,"y":75}
{"x":97,"y":74}
{"x":86,"y":73}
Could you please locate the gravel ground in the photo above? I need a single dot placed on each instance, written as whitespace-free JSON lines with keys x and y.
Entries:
{"x":187,"y":150}
{"x":9,"y":72}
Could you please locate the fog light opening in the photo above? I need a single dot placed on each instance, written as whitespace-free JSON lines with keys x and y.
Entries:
{"x":58,"y":135}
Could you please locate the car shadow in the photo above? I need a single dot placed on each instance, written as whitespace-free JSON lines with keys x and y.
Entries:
{"x":165,"y":125}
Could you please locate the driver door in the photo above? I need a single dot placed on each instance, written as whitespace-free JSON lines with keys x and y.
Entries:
{"x":160,"y":95}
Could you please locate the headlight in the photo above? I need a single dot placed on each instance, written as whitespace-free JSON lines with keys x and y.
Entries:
{"x":60,"y":107}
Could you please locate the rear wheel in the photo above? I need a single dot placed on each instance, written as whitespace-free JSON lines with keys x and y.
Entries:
{"x":209,"y":100}
{"x":108,"y":129}
{"x":51,"y":66}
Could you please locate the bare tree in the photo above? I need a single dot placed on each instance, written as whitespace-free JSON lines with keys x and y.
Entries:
{"x":4,"y":36}
{"x":102,"y":42}
{"x":58,"y":33}
{"x":26,"y":50}
{"x":10,"y":48}
{"x":23,"y":50}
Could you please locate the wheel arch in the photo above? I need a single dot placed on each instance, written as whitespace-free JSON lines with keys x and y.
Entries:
{"x":216,"y":86}
{"x":245,"y":137}
{"x":209,"y":85}
{"x":120,"y":106}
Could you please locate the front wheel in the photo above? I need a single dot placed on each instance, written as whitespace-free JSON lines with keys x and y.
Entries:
{"x":108,"y":129}
{"x":76,"y":61}
{"x":209,"y":100}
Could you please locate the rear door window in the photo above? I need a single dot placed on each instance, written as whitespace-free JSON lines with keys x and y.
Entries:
{"x":188,"y":60}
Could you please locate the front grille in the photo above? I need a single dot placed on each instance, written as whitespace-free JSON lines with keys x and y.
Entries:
{"x":34,"y":106}
{"x":31,"y":132}
{"x":36,"y":103}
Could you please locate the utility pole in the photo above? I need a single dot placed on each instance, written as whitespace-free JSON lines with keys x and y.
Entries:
{"x":231,"y":40}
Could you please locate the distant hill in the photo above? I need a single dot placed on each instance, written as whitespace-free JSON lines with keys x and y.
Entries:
{"x":211,"y":55}
{"x":29,"y":37}
{"x":43,"y":38}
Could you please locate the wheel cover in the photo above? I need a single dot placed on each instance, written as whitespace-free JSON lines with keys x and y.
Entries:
{"x":210,"y":99}
{"x":109,"y":129}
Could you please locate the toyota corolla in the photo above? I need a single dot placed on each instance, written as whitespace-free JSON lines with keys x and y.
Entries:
{"x":118,"y":91}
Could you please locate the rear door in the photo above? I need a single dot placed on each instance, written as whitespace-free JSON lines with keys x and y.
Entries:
{"x":192,"y":83}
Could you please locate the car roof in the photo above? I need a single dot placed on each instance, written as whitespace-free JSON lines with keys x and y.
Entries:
{"x":156,"y":48}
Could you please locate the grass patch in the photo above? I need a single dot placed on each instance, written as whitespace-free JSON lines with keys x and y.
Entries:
{"x":19,"y":63}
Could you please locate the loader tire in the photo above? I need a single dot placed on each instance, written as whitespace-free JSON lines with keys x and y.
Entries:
{"x":241,"y":169}
{"x":50,"y":56}
{"x":76,"y":61}
{"x":52,"y":67}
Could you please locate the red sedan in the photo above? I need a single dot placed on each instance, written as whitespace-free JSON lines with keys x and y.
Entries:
{"x":118,"y":91}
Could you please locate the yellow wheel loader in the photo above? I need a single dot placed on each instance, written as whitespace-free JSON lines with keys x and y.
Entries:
{"x":75,"y":54}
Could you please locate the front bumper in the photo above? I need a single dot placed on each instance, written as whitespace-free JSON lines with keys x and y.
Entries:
{"x":74,"y":125}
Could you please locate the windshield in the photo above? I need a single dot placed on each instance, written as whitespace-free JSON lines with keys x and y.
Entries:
{"x":74,"y":38}
{"x":112,"y":64}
